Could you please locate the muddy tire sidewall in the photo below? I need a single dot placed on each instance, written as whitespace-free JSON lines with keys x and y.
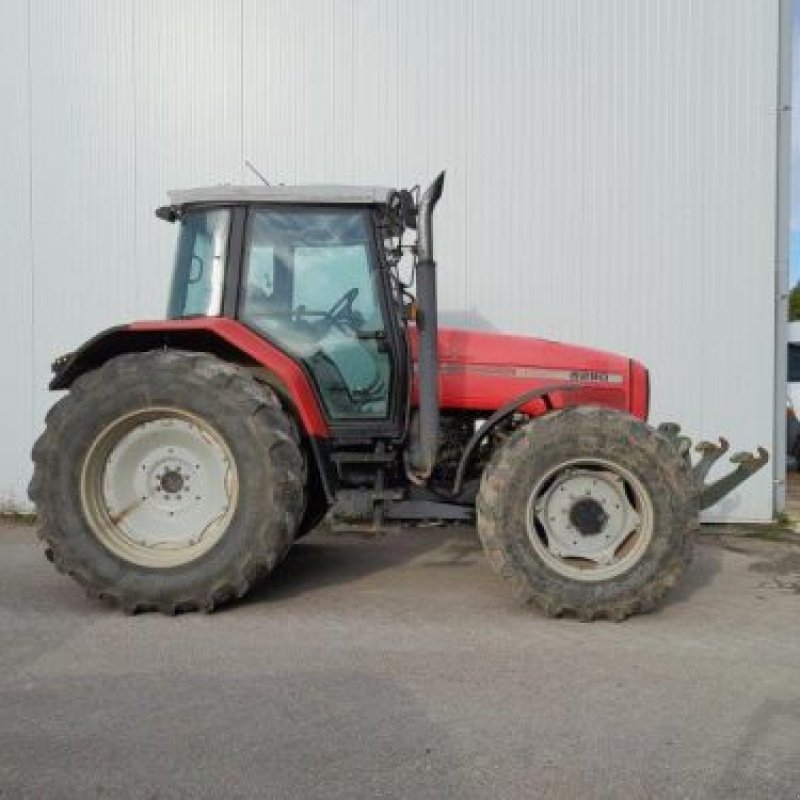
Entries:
{"x":587,"y":433}
{"x":248,"y":420}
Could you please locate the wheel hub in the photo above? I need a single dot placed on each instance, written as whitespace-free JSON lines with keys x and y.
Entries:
{"x":582,"y":520}
{"x":171,"y":481}
{"x":587,"y":516}
{"x":160,"y":489}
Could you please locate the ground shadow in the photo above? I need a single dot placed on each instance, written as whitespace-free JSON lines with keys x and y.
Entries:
{"x":706,"y":563}
{"x":324,"y":559}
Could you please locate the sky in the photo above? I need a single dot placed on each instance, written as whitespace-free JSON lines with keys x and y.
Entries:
{"x":794,"y":261}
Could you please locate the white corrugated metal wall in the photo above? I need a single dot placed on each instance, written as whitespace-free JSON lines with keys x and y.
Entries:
{"x":611,"y":171}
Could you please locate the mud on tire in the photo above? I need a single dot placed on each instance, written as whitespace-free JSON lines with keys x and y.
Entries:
{"x":563,"y":437}
{"x":258,"y":434}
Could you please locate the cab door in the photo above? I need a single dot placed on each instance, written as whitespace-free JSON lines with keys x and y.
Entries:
{"x":312,"y":284}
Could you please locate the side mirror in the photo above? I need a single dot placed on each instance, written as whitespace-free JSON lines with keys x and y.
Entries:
{"x":167,"y":213}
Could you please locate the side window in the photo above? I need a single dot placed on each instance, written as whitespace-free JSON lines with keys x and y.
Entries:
{"x":199,"y":264}
{"x":310,"y":285}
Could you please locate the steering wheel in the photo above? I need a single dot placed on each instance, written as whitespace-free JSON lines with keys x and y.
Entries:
{"x":341,"y":309}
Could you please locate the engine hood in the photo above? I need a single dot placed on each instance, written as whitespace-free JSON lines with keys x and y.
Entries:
{"x":555,"y":360}
{"x":485,"y":370}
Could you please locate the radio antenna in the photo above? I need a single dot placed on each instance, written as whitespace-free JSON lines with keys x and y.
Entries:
{"x":256,"y":172}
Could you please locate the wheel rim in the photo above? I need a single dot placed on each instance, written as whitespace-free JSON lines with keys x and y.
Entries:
{"x":159,"y":487}
{"x":590,"y":519}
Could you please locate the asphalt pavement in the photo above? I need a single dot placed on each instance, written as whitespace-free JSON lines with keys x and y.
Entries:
{"x":400,"y":667}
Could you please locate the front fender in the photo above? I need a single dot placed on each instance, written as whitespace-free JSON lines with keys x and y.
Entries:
{"x":552,"y":396}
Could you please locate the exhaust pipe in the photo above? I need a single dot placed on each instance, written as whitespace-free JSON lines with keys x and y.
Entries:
{"x":425,"y":439}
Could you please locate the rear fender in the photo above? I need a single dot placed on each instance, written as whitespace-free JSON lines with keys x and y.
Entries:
{"x":225,"y":338}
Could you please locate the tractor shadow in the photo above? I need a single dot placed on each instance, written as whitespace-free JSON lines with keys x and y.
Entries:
{"x":702,"y":571}
{"x":324,"y":559}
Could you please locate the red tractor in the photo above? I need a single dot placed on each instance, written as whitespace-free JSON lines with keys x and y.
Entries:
{"x":297,"y":377}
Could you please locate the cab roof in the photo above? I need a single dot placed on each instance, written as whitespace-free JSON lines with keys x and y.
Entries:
{"x":311,"y":195}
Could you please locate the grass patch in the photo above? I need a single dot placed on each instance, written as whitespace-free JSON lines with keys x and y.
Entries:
{"x":780,"y":530}
{"x":772,"y":533}
{"x":18,"y":517}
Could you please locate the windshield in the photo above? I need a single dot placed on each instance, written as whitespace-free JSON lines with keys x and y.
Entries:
{"x":199,"y":264}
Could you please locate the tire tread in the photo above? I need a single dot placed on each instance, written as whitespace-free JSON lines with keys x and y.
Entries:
{"x":492,"y":518}
{"x":268,"y":422}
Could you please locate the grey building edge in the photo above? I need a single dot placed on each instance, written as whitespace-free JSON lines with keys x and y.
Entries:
{"x":783,"y":163}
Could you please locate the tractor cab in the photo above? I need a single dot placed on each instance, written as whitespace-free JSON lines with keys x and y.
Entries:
{"x":314,"y":271}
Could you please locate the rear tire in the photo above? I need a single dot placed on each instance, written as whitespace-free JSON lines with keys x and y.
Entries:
{"x":124,"y":509}
{"x":588,"y":512}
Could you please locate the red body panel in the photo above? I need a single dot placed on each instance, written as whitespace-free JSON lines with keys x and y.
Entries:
{"x":479,"y":371}
{"x":285,"y":369}
{"x":483,"y":371}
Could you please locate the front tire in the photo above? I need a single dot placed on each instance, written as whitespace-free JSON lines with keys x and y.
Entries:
{"x":168,"y":481}
{"x":588,"y":512}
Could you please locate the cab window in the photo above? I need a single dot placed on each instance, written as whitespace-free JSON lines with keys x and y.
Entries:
{"x":199,"y":269}
{"x":310,"y":285}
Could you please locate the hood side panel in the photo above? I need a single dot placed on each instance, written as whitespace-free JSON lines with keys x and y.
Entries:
{"x":483,"y":371}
